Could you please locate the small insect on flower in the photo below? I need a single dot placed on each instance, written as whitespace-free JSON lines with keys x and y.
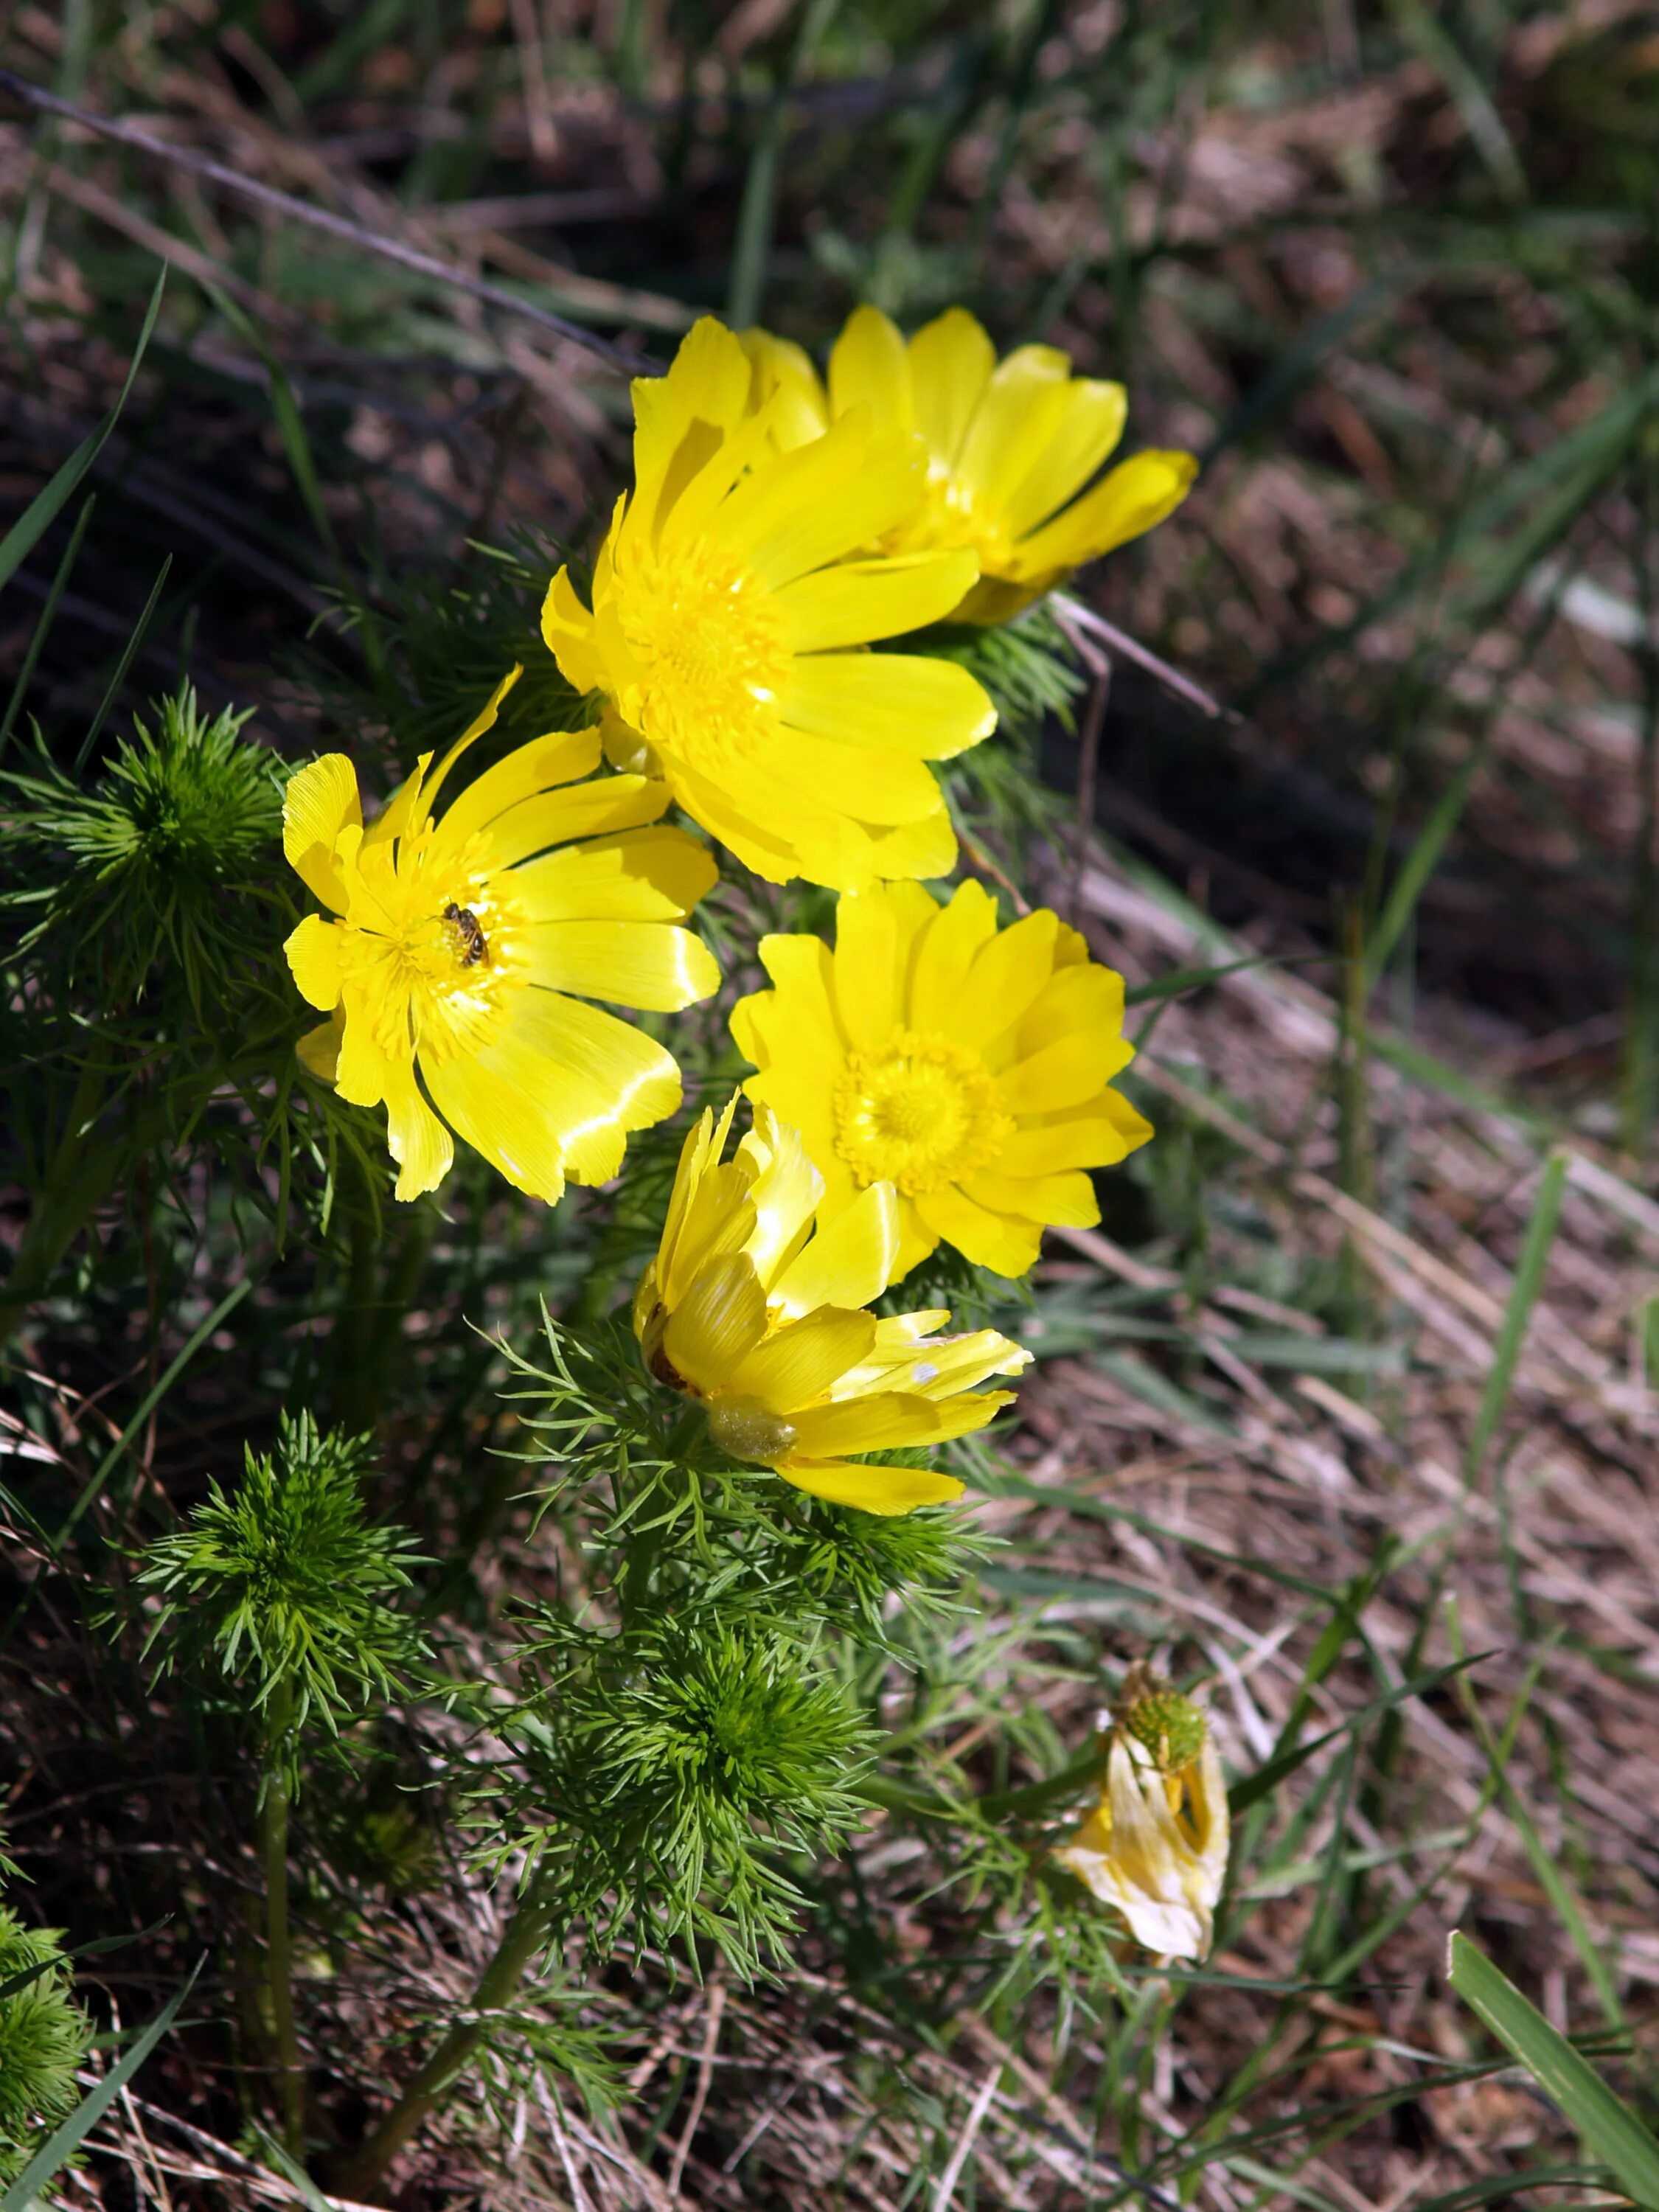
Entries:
{"x":734,"y":601}
{"x":1009,"y":444}
{"x":751,"y":1309}
{"x":1156,"y":1845}
{"x":456,"y":973}
{"x":971,"y":1068}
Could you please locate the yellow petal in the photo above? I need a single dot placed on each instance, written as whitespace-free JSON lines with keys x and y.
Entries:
{"x":787,"y":385}
{"x":1066,"y":1200}
{"x":1004,"y":1244}
{"x":482,"y":720}
{"x":801,"y":969}
{"x":655,"y":874}
{"x":890,"y":1420}
{"x":708,"y":1209}
{"x":850,"y":1261}
{"x":1077,"y":997}
{"x":885,"y":1490}
{"x":869,"y":970}
{"x":870,"y":367}
{"x":883,"y":596}
{"x":364,"y":1073}
{"x":585,"y":810}
{"x":599,"y":1078}
{"x":419,"y":1141}
{"x":320,"y":800}
{"x":951,"y":364}
{"x":494,"y":1102}
{"x":1008,"y":974}
{"x":318,"y":1049}
{"x":718,"y":1322}
{"x":313,"y":957}
{"x":918,"y":851}
{"x":1084,"y":432}
{"x":906,"y":1357}
{"x":785,"y":1194}
{"x":1024,"y":406}
{"x":1062,"y":1074}
{"x":901,"y":702}
{"x":765,"y":848}
{"x":708,"y":384}
{"x":945,"y":951}
{"x":822,"y":502}
{"x":1086,"y":1141}
{"x":559,"y":757}
{"x":633,"y":964}
{"x":567,"y":634}
{"x":1133,"y":498}
{"x":880,"y":786}
{"x":798,"y":1364}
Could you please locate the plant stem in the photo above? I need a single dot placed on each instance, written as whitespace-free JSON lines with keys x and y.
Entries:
{"x":526,"y":1932}
{"x":273,"y":1843}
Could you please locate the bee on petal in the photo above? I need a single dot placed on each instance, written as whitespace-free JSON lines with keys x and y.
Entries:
{"x":459,"y":954}
{"x":760,"y":1316}
{"x":1156,"y":1845}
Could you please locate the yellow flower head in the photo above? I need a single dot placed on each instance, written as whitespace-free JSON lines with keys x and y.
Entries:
{"x":751,"y":1310}
{"x":1156,"y":1845}
{"x":1009,"y":444}
{"x":457,"y":953}
{"x":729,"y":626}
{"x":970,"y":1067}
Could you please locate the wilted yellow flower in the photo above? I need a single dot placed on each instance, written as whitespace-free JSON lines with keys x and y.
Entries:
{"x":1156,"y":1845}
{"x":460,"y":957}
{"x":970,"y":1067}
{"x":729,"y":626}
{"x":749,"y":1308}
{"x":1009,"y":445}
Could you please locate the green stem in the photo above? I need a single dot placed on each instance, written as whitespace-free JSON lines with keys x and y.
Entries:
{"x":527,"y":1933}
{"x":273,"y":1843}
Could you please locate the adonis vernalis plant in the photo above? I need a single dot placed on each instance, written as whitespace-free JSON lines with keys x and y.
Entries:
{"x":464,"y":950}
{"x":970,"y":1067}
{"x":1011,"y":446}
{"x":734,"y":601}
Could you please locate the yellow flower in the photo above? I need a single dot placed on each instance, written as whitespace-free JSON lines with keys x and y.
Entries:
{"x":1156,"y":1845}
{"x":749,"y":1308}
{"x":729,"y":628}
{"x":1009,"y":445}
{"x":971,"y":1068}
{"x":456,"y":953}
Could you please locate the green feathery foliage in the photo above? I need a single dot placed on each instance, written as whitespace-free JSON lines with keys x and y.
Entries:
{"x":43,"y":2037}
{"x":160,"y":877}
{"x":285,"y":1589}
{"x":665,"y":1767}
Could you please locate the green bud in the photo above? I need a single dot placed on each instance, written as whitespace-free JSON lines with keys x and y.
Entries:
{"x":1169,"y":1727}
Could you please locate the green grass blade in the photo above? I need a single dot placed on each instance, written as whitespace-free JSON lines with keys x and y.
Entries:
{"x":128,"y":654}
{"x":753,"y":247}
{"x":42,"y":510}
{"x":1608,"y":2127}
{"x":1517,"y":1315}
{"x":64,"y":2141}
{"x":152,"y":1398}
{"x":1267,"y":1777}
{"x":48,"y":615}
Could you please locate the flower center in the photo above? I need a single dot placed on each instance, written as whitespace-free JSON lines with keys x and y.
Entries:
{"x":950,"y":516}
{"x":443,"y":971}
{"x":918,"y":1112}
{"x":711,"y":650}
